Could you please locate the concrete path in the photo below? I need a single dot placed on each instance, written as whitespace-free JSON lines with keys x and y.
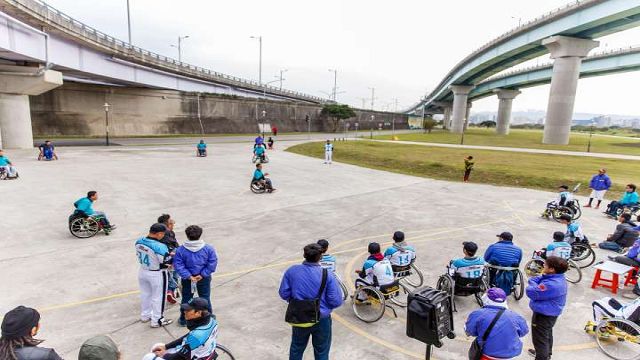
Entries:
{"x":514,"y":149}
{"x":88,"y":287}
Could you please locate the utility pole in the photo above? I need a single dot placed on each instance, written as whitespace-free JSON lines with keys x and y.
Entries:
{"x":259,"y":38}
{"x":393,"y":118}
{"x":281,"y":78}
{"x":373,"y":96}
{"x":180,"y":38}
{"x":335,"y":84}
{"x":129,"y":21}
{"x":106,"y":122}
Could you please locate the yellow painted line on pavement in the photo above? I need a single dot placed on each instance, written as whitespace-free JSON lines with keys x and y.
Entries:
{"x":375,"y":339}
{"x":88,"y":301}
{"x":513,"y":211}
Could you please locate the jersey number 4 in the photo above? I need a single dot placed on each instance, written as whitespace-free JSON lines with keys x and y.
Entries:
{"x":143,"y":258}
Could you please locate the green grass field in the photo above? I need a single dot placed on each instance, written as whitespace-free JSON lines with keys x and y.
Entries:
{"x":526,"y":139}
{"x":536,"y":171}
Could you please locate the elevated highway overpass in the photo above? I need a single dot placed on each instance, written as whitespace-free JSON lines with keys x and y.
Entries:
{"x":565,"y":33}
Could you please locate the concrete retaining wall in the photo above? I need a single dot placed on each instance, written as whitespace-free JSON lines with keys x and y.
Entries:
{"x":78,"y":109}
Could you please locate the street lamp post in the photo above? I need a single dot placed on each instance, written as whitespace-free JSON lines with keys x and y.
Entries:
{"x":371,"y":126}
{"x":373,"y":97}
{"x":308,"y":120}
{"x":264,"y":116}
{"x":281,"y":78}
{"x":106,"y":122}
{"x":180,"y":38}
{"x":335,"y":84}
{"x":259,"y":38}
{"x":129,"y":21}
{"x":356,"y":125}
{"x":590,"y":136}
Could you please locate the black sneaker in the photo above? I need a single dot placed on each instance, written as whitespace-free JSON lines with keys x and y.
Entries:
{"x":532,"y":352}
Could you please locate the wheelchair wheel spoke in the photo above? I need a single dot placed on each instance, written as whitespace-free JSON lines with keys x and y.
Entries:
{"x":618,"y":338}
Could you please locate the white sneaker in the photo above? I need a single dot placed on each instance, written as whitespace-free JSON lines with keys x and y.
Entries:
{"x":145,"y":320}
{"x":161,"y":322}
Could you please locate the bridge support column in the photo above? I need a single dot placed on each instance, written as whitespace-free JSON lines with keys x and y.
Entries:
{"x":466,"y":116}
{"x":459,"y":109}
{"x":503,"y":122}
{"x":446,"y":121}
{"x":15,"y":122}
{"x":567,"y":53}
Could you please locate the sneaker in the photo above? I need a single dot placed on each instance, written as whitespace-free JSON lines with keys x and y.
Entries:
{"x":588,"y":206}
{"x":612,"y":258}
{"x":597,"y":207}
{"x":171,"y":298}
{"x":532,"y":352}
{"x":162,"y":322}
{"x":145,"y":320}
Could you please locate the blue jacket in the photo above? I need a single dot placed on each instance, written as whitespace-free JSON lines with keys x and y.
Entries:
{"x":189,"y":263}
{"x":629,"y":198}
{"x":600,"y":182}
{"x":547,"y":294}
{"x":85,"y":205}
{"x":504,"y":339}
{"x":302,"y":282}
{"x":634,"y":251}
{"x":503,"y":253}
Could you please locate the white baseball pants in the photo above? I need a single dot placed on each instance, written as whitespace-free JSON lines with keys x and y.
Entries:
{"x":153,"y":293}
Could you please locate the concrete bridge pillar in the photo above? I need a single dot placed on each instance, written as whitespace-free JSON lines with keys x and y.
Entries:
{"x":446,"y":122}
{"x":459,"y":108}
{"x":567,"y":53}
{"x":503,"y":122}
{"x":466,"y":116}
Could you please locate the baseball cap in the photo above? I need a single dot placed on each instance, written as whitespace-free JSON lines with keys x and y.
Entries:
{"x":101,"y":347}
{"x":558,"y":236}
{"x":398,"y":236}
{"x":198,"y":304}
{"x":19,"y":322}
{"x":157,"y":227}
{"x":505,"y":236}
{"x":496,"y":295}
{"x":470,"y":246}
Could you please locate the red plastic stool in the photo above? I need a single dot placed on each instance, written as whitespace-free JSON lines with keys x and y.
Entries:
{"x":632,"y":276}
{"x":612,"y":284}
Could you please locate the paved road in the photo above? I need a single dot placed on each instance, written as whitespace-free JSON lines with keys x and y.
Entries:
{"x":522,"y":150}
{"x":88,"y":287}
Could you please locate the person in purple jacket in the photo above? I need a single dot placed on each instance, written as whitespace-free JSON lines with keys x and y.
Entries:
{"x":599,"y":185}
{"x":547,"y":297}
{"x":195,"y":261}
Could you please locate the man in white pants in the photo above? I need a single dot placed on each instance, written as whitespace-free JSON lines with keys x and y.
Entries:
{"x":153,"y":277}
{"x":599,"y":185}
{"x":328,"y":152}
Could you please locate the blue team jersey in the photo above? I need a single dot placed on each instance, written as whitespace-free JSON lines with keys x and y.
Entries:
{"x":560,"y":249}
{"x":4,"y":161}
{"x":400,"y":256}
{"x":202,"y":146}
{"x":85,"y":205}
{"x":259,"y":150}
{"x":328,"y":262}
{"x":258,"y":175}
{"x":328,"y":147}
{"x":202,"y":341}
{"x":152,"y":254}
{"x":469,"y":268}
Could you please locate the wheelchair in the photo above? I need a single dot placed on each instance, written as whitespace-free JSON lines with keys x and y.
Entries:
{"x":455,"y":285}
{"x":582,"y":253}
{"x":556,"y":211}
{"x":616,"y":337}
{"x":373,"y":308}
{"x":534,"y":267}
{"x":4,"y":175}
{"x":84,"y":226}
{"x":574,"y":205}
{"x":343,"y":288}
{"x":264,"y":159}
{"x":409,"y":275}
{"x":258,"y":187}
{"x":201,"y":153}
{"x":517,"y":287}
{"x":634,"y":210}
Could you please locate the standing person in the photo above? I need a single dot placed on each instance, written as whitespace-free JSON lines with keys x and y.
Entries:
{"x":547,"y":297}
{"x":328,"y":152}
{"x":19,"y":326}
{"x":169,"y":239}
{"x":274,"y":130}
{"x":7,"y":165}
{"x":303,"y":282}
{"x":195,"y":262}
{"x":270,"y":143}
{"x":154,"y":258}
{"x":468,"y":166}
{"x":502,"y":340}
{"x":599,"y":185}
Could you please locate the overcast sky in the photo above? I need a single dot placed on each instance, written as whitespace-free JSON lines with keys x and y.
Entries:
{"x":401,"y":48}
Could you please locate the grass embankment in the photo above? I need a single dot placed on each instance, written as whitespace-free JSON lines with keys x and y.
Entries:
{"x":161,"y":136}
{"x":535,"y":171}
{"x":526,"y":139}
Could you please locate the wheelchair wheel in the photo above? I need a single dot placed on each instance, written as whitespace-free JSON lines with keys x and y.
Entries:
{"x":257,"y":188}
{"x":479,"y":295}
{"x":518,"y":285}
{"x":533,"y":268}
{"x":345,"y":291}
{"x":401,"y":298}
{"x":619,"y":339}
{"x":561,"y":210}
{"x":582,"y":254}
{"x":573,"y":274}
{"x":3,"y":175}
{"x":577,"y":212}
{"x":84,"y":228}
{"x":415,"y":279}
{"x":371,"y":309}
{"x":445,"y":283}
{"x":223,"y":353}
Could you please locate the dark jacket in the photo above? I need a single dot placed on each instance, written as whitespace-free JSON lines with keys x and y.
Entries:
{"x":36,"y":353}
{"x":169,"y":239}
{"x":624,"y":235}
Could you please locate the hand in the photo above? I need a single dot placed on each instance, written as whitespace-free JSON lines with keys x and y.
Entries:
{"x":193,"y":278}
{"x":159,"y":350}
{"x":198,"y":277}
{"x":266,"y":174}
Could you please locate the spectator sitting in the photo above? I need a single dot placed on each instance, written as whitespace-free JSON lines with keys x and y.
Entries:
{"x":470,"y":266}
{"x":631,"y":258}
{"x":19,"y":326}
{"x":629,"y":198}
{"x":503,"y":252}
{"x":101,"y":347}
{"x":624,"y":236}
{"x":503,"y":342}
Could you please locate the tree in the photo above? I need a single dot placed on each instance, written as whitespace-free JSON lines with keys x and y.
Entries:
{"x":428,"y":124}
{"x":487,"y":124}
{"x":337,"y":112}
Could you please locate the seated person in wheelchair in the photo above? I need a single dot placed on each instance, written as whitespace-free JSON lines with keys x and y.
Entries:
{"x":259,"y":152}
{"x":376,"y":271}
{"x":563,"y":199}
{"x":559,"y":247}
{"x":259,"y":176}
{"x":84,"y":207}
{"x":574,"y":230}
{"x":7,"y":165}
{"x":628,"y":199}
{"x":328,"y":261}
{"x":400,"y":254}
{"x":47,"y":151}
{"x":505,"y":254}
{"x":199,"y":343}
{"x":470,"y":266}
{"x":201,"y":148}
{"x":611,"y":308}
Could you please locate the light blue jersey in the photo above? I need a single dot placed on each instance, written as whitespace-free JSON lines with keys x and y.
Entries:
{"x":202,"y":146}
{"x":152,"y":254}
{"x":4,"y":161}
{"x":328,"y":147}
{"x":259,"y":150}
{"x":574,"y":232}
{"x":560,"y":249}
{"x":258,"y":175}
{"x":328,"y":262}
{"x":468,"y":268}
{"x":400,"y":255}
{"x":85,"y":205}
{"x":202,"y":341}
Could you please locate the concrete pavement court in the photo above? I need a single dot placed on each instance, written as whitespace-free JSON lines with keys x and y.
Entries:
{"x":88,"y":287}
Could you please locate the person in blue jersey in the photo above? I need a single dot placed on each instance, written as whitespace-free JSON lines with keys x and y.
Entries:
{"x":85,"y":206}
{"x":328,"y":261}
{"x":328,"y":152}
{"x":258,"y":175}
{"x":504,"y":254}
{"x":564,"y":196}
{"x":201,"y":340}
{"x":259,"y":152}
{"x":376,"y":270}
{"x":559,"y":247}
{"x":547,"y":297}
{"x":47,"y":151}
{"x":629,"y":198}
{"x":201,"y":148}
{"x":574,"y":230}
{"x":7,"y":165}
{"x":599,"y":185}
{"x":401,"y":255}
{"x":154,"y":258}
{"x":470,"y":266}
